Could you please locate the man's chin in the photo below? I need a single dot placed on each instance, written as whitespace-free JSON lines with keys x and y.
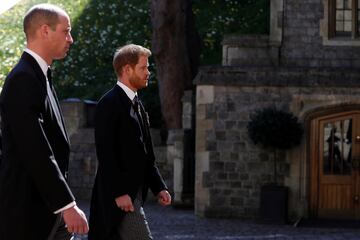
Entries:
{"x":144,"y":85}
{"x":60,"y":57}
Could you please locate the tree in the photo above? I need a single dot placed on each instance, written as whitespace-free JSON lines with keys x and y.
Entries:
{"x":99,"y":27}
{"x":274,"y":129}
{"x":176,"y":51}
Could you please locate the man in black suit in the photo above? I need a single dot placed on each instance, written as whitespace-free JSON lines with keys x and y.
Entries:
{"x":35,"y":200}
{"x":124,"y":148}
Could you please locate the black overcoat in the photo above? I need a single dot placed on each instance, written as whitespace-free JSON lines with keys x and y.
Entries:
{"x":126,"y":161}
{"x":35,"y":156}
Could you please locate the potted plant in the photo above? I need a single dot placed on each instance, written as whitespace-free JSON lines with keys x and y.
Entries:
{"x":276,"y":130}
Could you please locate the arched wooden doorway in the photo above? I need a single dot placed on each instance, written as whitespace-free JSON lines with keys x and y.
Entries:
{"x":335,"y":165}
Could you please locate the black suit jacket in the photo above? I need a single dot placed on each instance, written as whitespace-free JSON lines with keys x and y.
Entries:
{"x":35,"y":155}
{"x":126,"y":161}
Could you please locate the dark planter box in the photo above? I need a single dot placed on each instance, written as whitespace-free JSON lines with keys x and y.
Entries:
{"x":274,"y":204}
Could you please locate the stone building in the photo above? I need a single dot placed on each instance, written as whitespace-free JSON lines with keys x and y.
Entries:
{"x":308,"y":65}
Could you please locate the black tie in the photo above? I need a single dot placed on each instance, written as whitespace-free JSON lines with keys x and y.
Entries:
{"x":136,"y":104}
{"x":53,"y":102}
{"x":137,"y":108}
{"x":49,"y":77}
{"x":139,"y":113}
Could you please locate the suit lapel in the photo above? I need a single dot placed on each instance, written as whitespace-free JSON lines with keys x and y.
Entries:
{"x":39,"y":73}
{"x":60,"y":122}
{"x":127,"y":102}
{"x":145,"y":119}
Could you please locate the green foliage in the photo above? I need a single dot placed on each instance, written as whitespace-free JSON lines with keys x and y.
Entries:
{"x":103,"y":27}
{"x":215,"y":18}
{"x":100,"y":27}
{"x":87,"y":71}
{"x":273,"y":128}
{"x":12,"y":38}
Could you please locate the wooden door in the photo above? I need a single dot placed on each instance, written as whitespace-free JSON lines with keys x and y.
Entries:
{"x":336,"y":166}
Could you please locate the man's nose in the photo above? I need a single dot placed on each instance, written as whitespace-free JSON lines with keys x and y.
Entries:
{"x":70,"y":39}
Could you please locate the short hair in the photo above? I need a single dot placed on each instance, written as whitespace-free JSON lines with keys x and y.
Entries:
{"x":41,"y":14}
{"x":128,"y":54}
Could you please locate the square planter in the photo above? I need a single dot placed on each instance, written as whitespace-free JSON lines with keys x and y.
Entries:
{"x":274,"y":204}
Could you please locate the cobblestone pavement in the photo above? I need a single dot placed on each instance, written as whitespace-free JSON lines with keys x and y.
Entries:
{"x":168,"y":223}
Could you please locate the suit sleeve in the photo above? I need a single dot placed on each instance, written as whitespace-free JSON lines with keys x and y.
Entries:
{"x":154,"y":178}
{"x":107,"y":120}
{"x":156,"y":182}
{"x":23,"y":107}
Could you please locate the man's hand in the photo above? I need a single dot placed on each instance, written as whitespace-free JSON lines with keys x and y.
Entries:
{"x":164,"y":198}
{"x":75,"y":220}
{"x":124,"y":203}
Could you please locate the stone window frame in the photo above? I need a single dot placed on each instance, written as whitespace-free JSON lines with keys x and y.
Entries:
{"x":327,"y":30}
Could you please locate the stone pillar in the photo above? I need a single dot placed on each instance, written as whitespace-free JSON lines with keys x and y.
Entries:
{"x":188,"y":110}
{"x":163,"y":161}
{"x":183,"y":149}
{"x":188,"y":149}
{"x":175,"y":152}
{"x":204,"y":97}
{"x":276,"y":22}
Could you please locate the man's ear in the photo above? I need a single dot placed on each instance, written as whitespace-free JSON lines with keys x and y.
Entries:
{"x":127,"y":69}
{"x":44,"y":31}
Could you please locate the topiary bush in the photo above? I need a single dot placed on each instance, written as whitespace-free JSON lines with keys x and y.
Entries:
{"x":274,"y":129}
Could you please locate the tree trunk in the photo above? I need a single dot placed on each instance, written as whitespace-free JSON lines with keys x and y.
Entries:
{"x":176,"y":50}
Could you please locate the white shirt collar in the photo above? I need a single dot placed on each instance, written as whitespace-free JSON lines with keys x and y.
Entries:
{"x":42,"y":63}
{"x":130,"y":93}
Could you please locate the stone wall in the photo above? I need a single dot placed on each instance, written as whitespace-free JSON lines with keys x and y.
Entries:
{"x":298,"y":38}
{"x":83,"y":163}
{"x":229,"y":168}
{"x":305,"y":42}
{"x":296,"y":68}
{"x":78,"y":117}
{"x":249,"y":50}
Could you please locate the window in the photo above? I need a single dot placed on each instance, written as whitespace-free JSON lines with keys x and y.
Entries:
{"x":344,"y":18}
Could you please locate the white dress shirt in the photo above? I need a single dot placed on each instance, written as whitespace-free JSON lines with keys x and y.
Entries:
{"x":130,"y":93}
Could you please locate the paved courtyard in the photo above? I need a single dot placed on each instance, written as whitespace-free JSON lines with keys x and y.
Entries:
{"x":168,"y":223}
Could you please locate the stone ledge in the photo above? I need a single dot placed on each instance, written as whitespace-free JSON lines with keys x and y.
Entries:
{"x":246,"y":40}
{"x":268,"y":76}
